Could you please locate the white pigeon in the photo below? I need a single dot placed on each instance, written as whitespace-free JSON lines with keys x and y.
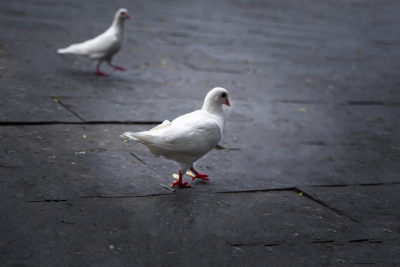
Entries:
{"x":189,"y":137}
{"x":103,"y":47}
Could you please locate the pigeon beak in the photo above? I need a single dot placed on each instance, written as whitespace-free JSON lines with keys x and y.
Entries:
{"x":228,"y":103}
{"x":127,"y":16}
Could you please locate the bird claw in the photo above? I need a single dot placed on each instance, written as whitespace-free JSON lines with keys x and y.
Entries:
{"x":101,"y":74}
{"x":180,"y":184}
{"x":201,"y":176}
{"x":119,"y":68}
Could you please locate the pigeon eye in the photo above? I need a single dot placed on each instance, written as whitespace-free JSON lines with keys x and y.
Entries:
{"x":223,"y":95}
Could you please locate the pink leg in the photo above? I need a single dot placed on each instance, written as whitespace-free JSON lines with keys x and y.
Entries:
{"x":200,"y":175}
{"x":119,"y":68}
{"x":179,"y":182}
{"x":99,"y":73}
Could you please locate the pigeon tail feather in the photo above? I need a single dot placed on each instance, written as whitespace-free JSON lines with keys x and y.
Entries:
{"x":142,"y":137}
{"x":131,"y":136}
{"x":72,"y":49}
{"x":64,"y":51}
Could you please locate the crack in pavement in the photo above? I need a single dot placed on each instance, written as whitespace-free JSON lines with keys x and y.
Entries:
{"x":152,"y":169}
{"x":365,"y":103}
{"x":9,"y":166}
{"x":339,"y":212}
{"x":127,"y":196}
{"x":322,"y":241}
{"x":143,"y":162}
{"x":298,"y":191}
{"x":28,"y":123}
{"x":67,"y":107}
{"x":358,"y":240}
{"x":254,"y":245}
{"x":292,"y":189}
{"x":344,"y":185}
{"x":257,"y":190}
{"x":372,"y":103}
{"x":327,"y":241}
{"x":97,"y":196}
{"x":48,"y":200}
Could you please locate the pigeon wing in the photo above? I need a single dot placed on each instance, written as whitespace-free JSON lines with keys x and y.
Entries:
{"x":98,"y":47}
{"x":191,"y":135}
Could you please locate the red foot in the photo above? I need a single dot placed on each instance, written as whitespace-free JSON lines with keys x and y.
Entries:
{"x":180,"y":184}
{"x":99,"y":73}
{"x":200,"y":175}
{"x":119,"y":68}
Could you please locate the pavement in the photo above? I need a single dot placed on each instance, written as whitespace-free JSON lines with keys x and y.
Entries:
{"x":307,"y":173}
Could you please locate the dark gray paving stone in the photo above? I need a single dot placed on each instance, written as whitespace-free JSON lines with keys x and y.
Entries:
{"x":25,"y":108}
{"x":128,"y":110}
{"x":326,"y":143}
{"x":181,"y":229}
{"x":57,"y":162}
{"x":371,"y":205}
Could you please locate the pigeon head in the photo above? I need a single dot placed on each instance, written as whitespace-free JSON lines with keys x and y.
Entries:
{"x":122,"y":14}
{"x":215,"y":99}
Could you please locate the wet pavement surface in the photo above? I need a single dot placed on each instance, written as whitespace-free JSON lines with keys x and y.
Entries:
{"x":308,"y":172}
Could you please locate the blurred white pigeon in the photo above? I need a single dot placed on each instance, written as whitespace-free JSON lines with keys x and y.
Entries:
{"x":104,"y":46}
{"x":189,"y":137}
